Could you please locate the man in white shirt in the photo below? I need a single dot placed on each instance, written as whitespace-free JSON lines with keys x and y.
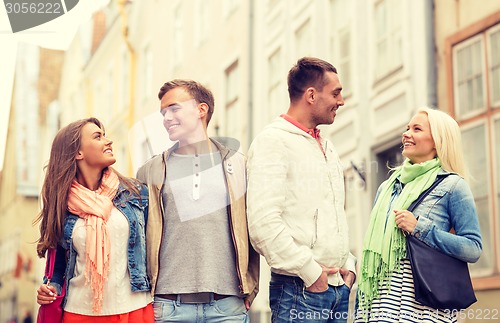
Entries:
{"x":295,"y":202}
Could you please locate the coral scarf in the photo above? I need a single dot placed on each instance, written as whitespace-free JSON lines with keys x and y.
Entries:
{"x":95,"y":208}
{"x":384,"y":244}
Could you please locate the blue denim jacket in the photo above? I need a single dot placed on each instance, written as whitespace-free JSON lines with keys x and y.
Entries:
{"x":450,"y":205}
{"x":135,"y":209}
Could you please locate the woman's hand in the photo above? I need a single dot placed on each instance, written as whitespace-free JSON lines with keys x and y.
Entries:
{"x":46,"y":294}
{"x":405,"y":220}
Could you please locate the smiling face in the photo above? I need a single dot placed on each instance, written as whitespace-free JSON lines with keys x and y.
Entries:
{"x":182,"y":116}
{"x":328,"y":100}
{"x":418,"y":144}
{"x":95,"y":149}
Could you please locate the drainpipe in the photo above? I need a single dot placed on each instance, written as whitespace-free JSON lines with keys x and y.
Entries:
{"x":250,"y":72}
{"x":430,"y":32}
{"x":133,"y":61}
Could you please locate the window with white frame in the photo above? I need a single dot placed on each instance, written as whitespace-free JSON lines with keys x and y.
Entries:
{"x":202,"y":24}
{"x":27,"y":122}
{"x":106,"y":105}
{"x":344,"y":66}
{"x":147,"y":68}
{"x":475,"y":68}
{"x":274,"y":81}
{"x":178,"y":35}
{"x":474,"y":144}
{"x":233,"y":113}
{"x":123,"y":89}
{"x":230,"y":6}
{"x":27,"y":136}
{"x":388,"y":36}
{"x":303,"y":39}
{"x":468,"y":68}
{"x":97,"y":99}
{"x":496,"y":139}
{"x":340,"y":43}
{"x":494,"y":65}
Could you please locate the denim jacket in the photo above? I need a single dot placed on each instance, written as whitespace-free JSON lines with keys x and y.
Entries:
{"x":135,"y":209}
{"x":450,"y":206}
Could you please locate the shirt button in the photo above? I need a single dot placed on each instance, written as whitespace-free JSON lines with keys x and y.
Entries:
{"x":417,"y":235}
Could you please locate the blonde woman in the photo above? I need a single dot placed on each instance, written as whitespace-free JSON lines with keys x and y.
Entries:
{"x":432,"y":147}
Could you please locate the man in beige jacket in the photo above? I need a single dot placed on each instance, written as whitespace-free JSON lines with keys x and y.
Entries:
{"x":200,"y":262}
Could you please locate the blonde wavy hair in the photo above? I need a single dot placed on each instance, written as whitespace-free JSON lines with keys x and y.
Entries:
{"x":448,"y":140}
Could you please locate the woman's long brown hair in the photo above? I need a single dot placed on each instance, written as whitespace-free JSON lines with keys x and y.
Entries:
{"x":60,"y":172}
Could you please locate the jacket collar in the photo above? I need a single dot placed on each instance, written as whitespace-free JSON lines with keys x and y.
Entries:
{"x":223,"y":149}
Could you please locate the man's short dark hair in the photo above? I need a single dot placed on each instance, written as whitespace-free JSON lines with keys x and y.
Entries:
{"x":199,"y":92}
{"x":307,"y":72}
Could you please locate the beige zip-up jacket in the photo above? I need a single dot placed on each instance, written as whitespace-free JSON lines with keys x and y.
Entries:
{"x":153,"y":174}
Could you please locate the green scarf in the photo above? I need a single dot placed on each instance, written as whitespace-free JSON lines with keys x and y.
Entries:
{"x":385,"y":244}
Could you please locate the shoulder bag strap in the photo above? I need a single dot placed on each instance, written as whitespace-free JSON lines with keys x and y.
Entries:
{"x":49,"y":264}
{"x":422,"y":195}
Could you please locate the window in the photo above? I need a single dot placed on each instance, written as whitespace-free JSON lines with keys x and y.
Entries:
{"x":178,"y":35}
{"x":147,"y":68}
{"x":233,"y":113}
{"x":123,"y":87}
{"x":201,"y":22}
{"x":497,"y":168}
{"x":230,"y":6}
{"x":344,"y":68}
{"x":274,"y":77}
{"x":386,"y":159}
{"x":340,"y":42}
{"x":109,"y":99}
{"x":303,"y":40}
{"x":388,"y":40}
{"x":27,"y":120}
{"x":474,"y":66}
{"x":97,"y":99}
{"x":469,"y":83}
{"x":474,"y":143}
{"x":27,"y":143}
{"x":494,"y":65}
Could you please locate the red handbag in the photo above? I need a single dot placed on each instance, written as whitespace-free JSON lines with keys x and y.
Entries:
{"x":53,"y":312}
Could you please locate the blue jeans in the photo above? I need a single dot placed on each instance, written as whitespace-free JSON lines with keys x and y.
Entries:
{"x":290,"y":302}
{"x":229,"y":309}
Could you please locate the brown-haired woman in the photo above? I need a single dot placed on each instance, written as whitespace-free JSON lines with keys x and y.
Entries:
{"x":95,"y":218}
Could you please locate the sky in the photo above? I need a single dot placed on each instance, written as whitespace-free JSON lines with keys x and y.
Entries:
{"x":55,"y":34}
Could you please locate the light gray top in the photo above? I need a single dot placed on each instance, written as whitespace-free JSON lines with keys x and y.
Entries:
{"x":197,"y":253}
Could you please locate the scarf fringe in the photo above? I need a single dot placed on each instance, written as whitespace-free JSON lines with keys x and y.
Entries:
{"x":96,"y":282}
{"x":376,"y":271}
